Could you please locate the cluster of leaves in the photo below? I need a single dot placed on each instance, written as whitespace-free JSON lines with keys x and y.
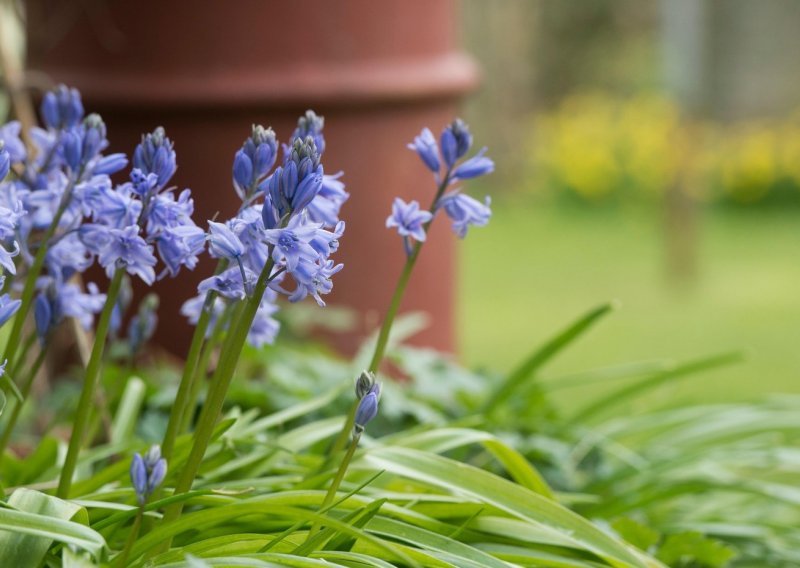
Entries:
{"x":455,"y":473}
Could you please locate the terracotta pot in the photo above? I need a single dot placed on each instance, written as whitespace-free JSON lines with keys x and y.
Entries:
{"x":377,"y":71}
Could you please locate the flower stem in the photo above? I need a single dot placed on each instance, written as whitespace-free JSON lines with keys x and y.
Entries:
{"x":337,"y":481}
{"x":184,"y":389}
{"x":200,"y":373}
{"x":220,"y":381}
{"x":122,"y":559}
{"x":30,"y":279}
{"x":87,"y":394}
{"x":388,"y":320}
{"x":25,"y":390}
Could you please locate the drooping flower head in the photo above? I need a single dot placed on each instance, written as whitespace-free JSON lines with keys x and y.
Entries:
{"x":464,"y":211}
{"x":288,"y":223}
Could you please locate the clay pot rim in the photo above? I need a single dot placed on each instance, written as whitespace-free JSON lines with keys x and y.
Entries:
{"x":344,"y":84}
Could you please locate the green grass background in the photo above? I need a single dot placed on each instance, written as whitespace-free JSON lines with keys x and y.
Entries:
{"x":536,"y":267}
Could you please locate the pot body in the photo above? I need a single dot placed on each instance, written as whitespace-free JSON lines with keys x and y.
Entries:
{"x":377,"y":71}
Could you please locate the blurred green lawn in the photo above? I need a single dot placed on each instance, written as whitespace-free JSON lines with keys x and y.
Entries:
{"x":536,"y":268}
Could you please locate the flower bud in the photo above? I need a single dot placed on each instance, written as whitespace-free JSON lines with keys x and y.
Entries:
{"x":367,"y":408}
{"x":364,"y":383}
{"x":62,"y":108}
{"x":154,"y":155}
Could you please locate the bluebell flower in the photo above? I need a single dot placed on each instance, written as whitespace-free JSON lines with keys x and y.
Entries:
{"x":409,"y":219}
{"x":243,"y":173}
{"x":262,"y":149}
{"x":476,"y":166}
{"x":167,"y":212}
{"x":73,"y":302}
{"x":114,"y":208}
{"x":10,"y":217}
{"x":141,"y":328}
{"x":254,"y":160}
{"x":180,"y":246}
{"x":5,"y":161}
{"x":367,"y":407}
{"x":425,"y":146}
{"x":62,"y":108}
{"x":293,"y":185}
{"x":249,"y":229}
{"x":155,"y":155}
{"x":465,"y":211}
{"x":124,"y":299}
{"x":456,"y":141}
{"x":193,"y":307}
{"x":110,"y":164}
{"x":67,"y":256}
{"x":293,"y":243}
{"x":59,"y":300}
{"x":311,"y":124}
{"x":228,"y":283}
{"x":265,"y":327}
{"x":223,"y":243}
{"x":313,"y":279}
{"x":126,"y":249}
{"x":327,"y":242}
{"x":325,"y":207}
{"x":8,"y":307}
{"x":7,"y":258}
{"x":12,"y":142}
{"x":143,"y":184}
{"x":147,"y":473}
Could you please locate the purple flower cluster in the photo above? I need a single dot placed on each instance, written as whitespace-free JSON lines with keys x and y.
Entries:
{"x":45,"y":194}
{"x":137,"y":222}
{"x":444,"y":159}
{"x":60,"y":197}
{"x":288,"y":225}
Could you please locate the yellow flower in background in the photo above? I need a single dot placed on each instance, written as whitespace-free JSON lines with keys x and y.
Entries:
{"x":598,"y":146}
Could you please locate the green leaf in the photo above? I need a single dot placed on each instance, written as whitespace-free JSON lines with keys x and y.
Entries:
{"x":639,"y":535}
{"x":127,"y":413}
{"x":35,"y":521}
{"x":693,"y":549}
{"x":542,"y":355}
{"x":541,"y":512}
{"x":603,"y":404}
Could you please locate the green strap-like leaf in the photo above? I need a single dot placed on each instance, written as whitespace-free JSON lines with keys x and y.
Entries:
{"x":37,"y":520}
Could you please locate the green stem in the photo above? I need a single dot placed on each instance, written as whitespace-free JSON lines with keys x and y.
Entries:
{"x":337,"y":481}
{"x":184,"y":389}
{"x":122,"y":559}
{"x":388,"y":320}
{"x":33,"y":274}
{"x":87,"y":394}
{"x":26,"y":390}
{"x":220,"y":381}
{"x":202,"y":367}
{"x":183,"y":396}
